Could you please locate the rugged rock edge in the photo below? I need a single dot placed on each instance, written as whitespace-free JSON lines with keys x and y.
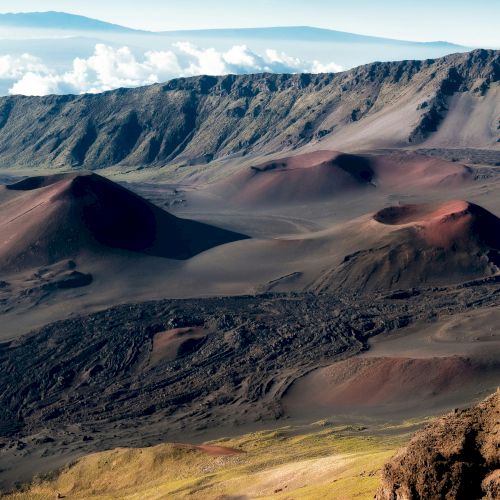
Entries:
{"x":455,"y":457}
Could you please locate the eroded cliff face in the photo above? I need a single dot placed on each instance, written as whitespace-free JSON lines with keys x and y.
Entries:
{"x":456,"y":457}
{"x":195,"y":120}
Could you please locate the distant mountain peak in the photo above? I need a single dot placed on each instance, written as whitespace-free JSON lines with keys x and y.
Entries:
{"x":65,"y":21}
{"x":59,"y":21}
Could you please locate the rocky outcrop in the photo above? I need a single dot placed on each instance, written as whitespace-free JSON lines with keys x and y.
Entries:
{"x":457,"y":457}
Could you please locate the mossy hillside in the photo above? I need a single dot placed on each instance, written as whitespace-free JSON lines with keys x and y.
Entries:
{"x":315,"y":461}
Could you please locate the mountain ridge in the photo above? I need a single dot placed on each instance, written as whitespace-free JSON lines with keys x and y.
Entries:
{"x":68,"y":21}
{"x":315,"y":33}
{"x":198,"y":119}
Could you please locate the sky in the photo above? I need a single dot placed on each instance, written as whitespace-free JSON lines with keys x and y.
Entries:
{"x":473,"y":23}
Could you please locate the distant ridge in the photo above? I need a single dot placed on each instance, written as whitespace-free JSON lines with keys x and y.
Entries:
{"x":59,"y":21}
{"x":306,"y":33}
{"x":64,"y":21}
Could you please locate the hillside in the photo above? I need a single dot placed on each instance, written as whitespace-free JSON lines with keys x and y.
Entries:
{"x":323,"y":175}
{"x":333,"y":460}
{"x":444,"y":102}
{"x":49,"y":218}
{"x":449,"y":243}
{"x":178,"y":370}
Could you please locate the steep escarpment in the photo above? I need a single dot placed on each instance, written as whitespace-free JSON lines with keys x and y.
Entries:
{"x":456,"y":457}
{"x":198,"y":119}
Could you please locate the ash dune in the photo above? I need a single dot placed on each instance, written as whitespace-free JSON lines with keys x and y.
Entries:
{"x":51,"y":218}
{"x":405,"y":214}
{"x":449,"y":224}
{"x":420,"y":369}
{"x":306,"y":177}
{"x":413,"y":171}
{"x":174,"y":343}
{"x":323,"y":174}
{"x":383,"y":384}
{"x":437,"y":244}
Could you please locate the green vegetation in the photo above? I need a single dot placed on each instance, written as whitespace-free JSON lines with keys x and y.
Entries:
{"x":318,"y":461}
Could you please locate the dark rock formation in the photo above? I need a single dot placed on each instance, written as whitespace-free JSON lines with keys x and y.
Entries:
{"x":457,"y":457}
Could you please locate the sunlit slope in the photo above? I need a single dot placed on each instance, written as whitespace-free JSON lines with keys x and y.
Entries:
{"x":320,"y":460}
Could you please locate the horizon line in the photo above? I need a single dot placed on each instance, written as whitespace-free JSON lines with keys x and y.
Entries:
{"x":141,"y":30}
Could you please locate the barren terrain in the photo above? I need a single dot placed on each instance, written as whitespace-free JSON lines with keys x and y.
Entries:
{"x":235,"y":276}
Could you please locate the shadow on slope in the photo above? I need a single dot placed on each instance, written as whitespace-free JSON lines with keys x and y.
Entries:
{"x":432,"y":244}
{"x":46,"y":219}
{"x":324,"y":174}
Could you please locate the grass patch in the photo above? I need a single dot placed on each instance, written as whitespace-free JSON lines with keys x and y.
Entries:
{"x":319,"y":461}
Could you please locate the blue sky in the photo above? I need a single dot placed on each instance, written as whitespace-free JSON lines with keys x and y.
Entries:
{"x":469,"y":22}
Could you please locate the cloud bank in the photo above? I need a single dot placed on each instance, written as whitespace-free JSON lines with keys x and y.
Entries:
{"x":109,"y":68}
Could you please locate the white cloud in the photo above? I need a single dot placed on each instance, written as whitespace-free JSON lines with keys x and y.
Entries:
{"x":35,"y":84}
{"x":276,"y":57}
{"x":15,"y":67}
{"x":332,"y":67}
{"x":240,"y":59}
{"x":240,"y":55}
{"x":201,"y":61}
{"x":108,"y":68}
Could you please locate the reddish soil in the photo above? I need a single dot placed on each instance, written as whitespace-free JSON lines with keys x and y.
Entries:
{"x":425,"y":212}
{"x":439,"y":244}
{"x":299,"y":178}
{"x":170,"y":344}
{"x":49,"y":218}
{"x":446,"y":225}
{"x":376,"y":382}
{"x":323,"y":174}
{"x":411,"y":170}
